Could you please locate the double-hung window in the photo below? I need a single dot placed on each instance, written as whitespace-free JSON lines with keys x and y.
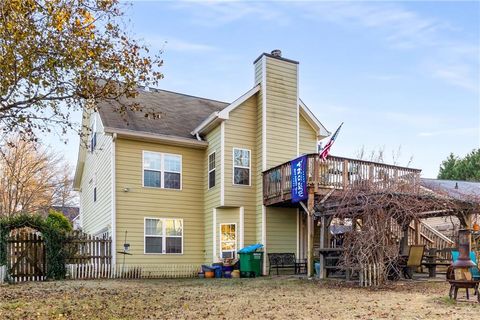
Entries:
{"x":93,"y":133}
{"x":228,"y":240}
{"x":241,"y":167}
{"x":162,"y":170}
{"x":163,"y":235}
{"x":95,"y":187}
{"x":211,"y":170}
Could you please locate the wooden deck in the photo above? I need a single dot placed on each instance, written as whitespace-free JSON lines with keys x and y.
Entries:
{"x":335,"y":173}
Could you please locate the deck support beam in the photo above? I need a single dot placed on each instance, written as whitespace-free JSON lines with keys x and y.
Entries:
{"x":310,"y":231}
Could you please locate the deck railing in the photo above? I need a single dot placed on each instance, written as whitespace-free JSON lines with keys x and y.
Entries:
{"x":336,"y":173}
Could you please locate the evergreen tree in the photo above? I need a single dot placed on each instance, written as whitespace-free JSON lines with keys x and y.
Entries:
{"x":467,"y":168}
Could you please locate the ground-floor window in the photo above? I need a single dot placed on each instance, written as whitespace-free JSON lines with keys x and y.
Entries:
{"x":103,"y":234}
{"x":163,"y":235}
{"x":228,"y":240}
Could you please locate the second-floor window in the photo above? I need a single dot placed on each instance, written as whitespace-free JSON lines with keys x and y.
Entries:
{"x":211,"y":170}
{"x":93,"y":134}
{"x":162,"y":170}
{"x":241,"y":167}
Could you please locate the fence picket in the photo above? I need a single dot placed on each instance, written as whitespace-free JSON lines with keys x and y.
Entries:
{"x":90,"y":258}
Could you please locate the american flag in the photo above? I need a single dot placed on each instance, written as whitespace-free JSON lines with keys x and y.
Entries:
{"x":324,"y":152}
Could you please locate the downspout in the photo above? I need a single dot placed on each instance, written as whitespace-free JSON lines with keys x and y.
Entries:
{"x":198,"y":137}
{"x":113,"y":207}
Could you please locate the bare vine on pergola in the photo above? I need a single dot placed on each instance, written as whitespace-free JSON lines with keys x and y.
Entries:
{"x":379,"y":216}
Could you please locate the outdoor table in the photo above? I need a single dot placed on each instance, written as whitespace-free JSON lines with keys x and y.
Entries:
{"x":432,"y":267}
{"x":467,"y":284}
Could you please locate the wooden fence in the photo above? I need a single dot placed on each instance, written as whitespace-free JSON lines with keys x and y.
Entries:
{"x":3,"y":273}
{"x":26,"y":257}
{"x":119,"y":271}
{"x":370,"y":276}
{"x":85,"y":249}
{"x":88,"y":257}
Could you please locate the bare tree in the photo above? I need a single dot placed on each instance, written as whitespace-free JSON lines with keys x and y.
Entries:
{"x":32,"y":178}
{"x":63,"y":193}
{"x":379,"y":155}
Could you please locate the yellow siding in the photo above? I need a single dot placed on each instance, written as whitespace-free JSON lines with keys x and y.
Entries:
{"x":212,"y":196}
{"x":281,"y":230}
{"x":96,"y":216}
{"x":139,"y":202}
{"x":240,"y":132}
{"x":259,"y":152}
{"x":282,"y":111}
{"x":258,"y":71}
{"x":308,"y":137}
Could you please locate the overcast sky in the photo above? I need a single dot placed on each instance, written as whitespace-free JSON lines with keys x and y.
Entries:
{"x":398,"y":74}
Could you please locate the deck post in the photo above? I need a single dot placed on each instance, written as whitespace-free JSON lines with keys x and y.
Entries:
{"x":345,"y":178}
{"x":323,"y":229}
{"x":310,"y":231}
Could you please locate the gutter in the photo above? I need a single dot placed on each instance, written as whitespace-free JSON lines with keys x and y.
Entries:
{"x":155,"y":137}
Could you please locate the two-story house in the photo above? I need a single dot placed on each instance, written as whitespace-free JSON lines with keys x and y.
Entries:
{"x":186,"y":189}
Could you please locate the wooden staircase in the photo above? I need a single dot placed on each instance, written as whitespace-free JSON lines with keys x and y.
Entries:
{"x":428,"y":236}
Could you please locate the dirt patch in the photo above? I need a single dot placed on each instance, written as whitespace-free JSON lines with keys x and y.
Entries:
{"x":266,"y":298}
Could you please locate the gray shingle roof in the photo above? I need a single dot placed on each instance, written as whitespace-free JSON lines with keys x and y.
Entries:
{"x":454,"y":188}
{"x":180,"y":113}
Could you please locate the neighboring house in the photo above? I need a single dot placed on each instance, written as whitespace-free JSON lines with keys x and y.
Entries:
{"x":187,"y":188}
{"x":463,"y":190}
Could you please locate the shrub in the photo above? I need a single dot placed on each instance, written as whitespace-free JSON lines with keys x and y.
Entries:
{"x":56,"y":220}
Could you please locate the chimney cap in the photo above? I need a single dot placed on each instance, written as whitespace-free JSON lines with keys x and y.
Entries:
{"x":276,"y":53}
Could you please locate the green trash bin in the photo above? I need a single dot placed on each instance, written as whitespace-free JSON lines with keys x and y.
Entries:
{"x":251,"y":264}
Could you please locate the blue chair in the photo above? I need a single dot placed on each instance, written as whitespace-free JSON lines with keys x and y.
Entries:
{"x":473,"y":270}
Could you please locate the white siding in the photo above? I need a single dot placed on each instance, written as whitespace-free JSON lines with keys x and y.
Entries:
{"x":96,"y":216}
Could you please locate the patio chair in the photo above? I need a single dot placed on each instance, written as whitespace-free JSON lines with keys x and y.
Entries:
{"x":473,"y":270}
{"x":415,"y":256}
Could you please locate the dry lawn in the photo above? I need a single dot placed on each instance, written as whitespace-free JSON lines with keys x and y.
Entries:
{"x":266,"y":298}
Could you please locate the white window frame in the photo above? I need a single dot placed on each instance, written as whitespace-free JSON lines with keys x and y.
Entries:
{"x":249,"y":167}
{"x":162,"y":170}
{"x":95,"y":190}
{"x":236,"y":239}
{"x":211,"y":170}
{"x":163,"y":236}
{"x":93,"y":133}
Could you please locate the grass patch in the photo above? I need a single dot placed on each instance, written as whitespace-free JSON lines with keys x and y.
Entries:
{"x":12,"y":305}
{"x":447,"y":300}
{"x":262,"y":298}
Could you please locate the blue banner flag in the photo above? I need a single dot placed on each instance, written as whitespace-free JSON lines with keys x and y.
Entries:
{"x":299,"y":179}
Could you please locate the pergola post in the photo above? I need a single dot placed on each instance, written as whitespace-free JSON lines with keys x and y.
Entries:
{"x":310,"y":231}
{"x":468,"y":220}
{"x":417,"y":231}
{"x":404,"y":241}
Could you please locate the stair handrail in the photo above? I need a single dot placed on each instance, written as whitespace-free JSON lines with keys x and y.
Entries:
{"x":436,"y":232}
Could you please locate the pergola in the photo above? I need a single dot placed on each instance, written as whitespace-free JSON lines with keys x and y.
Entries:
{"x":401,"y":206}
